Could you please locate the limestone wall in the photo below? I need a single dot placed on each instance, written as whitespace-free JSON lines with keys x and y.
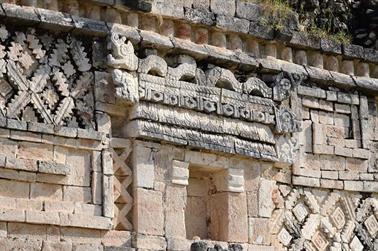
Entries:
{"x":129,"y":130}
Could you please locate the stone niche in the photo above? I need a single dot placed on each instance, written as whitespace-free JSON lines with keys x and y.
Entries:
{"x":188,"y":195}
{"x":208,"y":204}
{"x":199,"y":193}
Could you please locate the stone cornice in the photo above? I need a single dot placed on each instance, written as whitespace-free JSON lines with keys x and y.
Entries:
{"x":238,"y":22}
{"x":223,"y":56}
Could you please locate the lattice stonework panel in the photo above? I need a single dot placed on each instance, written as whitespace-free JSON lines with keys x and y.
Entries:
{"x":45,"y":78}
{"x":47,"y":105}
{"x":334,"y":220}
{"x":123,"y":201}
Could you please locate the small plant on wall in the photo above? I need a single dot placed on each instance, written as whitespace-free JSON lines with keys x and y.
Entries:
{"x":277,"y":14}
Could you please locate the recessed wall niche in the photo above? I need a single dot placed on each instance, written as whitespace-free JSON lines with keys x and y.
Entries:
{"x":200,"y":189}
{"x":212,"y":193}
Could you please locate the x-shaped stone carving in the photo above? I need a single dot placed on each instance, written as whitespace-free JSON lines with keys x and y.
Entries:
{"x":120,"y":188}
{"x":28,"y":91}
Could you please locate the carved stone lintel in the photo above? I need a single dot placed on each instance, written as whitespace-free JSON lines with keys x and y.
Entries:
{"x":241,"y":103}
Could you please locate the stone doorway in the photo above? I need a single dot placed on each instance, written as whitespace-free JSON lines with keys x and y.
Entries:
{"x":208,"y":203}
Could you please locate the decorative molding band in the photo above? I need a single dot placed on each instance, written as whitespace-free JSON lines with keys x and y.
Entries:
{"x":211,"y":95}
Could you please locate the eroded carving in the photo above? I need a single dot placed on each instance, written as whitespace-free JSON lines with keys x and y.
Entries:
{"x":222,"y":78}
{"x":286,"y":149}
{"x":43,"y":86}
{"x":153,"y":65}
{"x":284,"y":83}
{"x":126,"y":86}
{"x":185,"y":71}
{"x":257,"y":87}
{"x":286,"y":121}
{"x":122,"y":53}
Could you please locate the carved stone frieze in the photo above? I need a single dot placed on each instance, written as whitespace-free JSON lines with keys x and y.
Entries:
{"x":46,"y":79}
{"x":209,"y":108}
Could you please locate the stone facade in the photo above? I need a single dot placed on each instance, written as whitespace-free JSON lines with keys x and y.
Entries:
{"x":176,"y":129}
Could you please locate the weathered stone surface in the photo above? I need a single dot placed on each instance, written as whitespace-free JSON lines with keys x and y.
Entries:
{"x":266,"y":205}
{"x":201,"y":16}
{"x":50,"y":246}
{"x":195,"y":101}
{"x":235,"y":207}
{"x":330,"y":46}
{"x":260,"y":31}
{"x":220,"y":7}
{"x":53,"y":168}
{"x":259,"y":232}
{"x":248,"y":10}
{"x":148,"y":213}
{"x":180,"y":172}
{"x":85,"y":25}
{"x":174,"y":206}
{"x":32,"y":245}
{"x":46,"y":191}
{"x":149,"y":242}
{"x":353,"y":51}
{"x":304,"y":40}
{"x":82,"y":194}
{"x":22,"y":13}
{"x":80,"y":235}
{"x":117,"y":238}
{"x":83,"y":247}
{"x":232,"y":23}
{"x":83,"y":221}
{"x":144,"y":175}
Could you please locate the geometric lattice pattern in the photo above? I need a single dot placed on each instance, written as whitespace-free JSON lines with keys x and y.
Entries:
{"x":122,"y":181}
{"x":45,"y":79}
{"x":324,"y":220}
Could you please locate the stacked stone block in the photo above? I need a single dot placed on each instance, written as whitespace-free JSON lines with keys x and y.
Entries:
{"x":336,"y":138}
{"x":135,"y":137}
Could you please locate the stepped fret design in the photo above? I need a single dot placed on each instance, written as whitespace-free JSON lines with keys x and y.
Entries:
{"x":122,"y":181}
